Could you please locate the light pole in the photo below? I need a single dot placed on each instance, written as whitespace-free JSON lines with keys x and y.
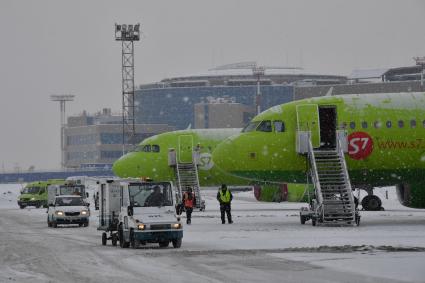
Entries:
{"x":127,"y":34}
{"x":258,"y":71}
{"x":62,"y":99}
{"x":420,"y":61}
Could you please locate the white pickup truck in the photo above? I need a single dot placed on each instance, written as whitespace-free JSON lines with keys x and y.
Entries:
{"x":68,"y":209}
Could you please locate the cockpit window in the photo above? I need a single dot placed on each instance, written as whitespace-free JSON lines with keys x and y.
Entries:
{"x":250,"y":127}
{"x":146,"y":148}
{"x":279,"y":126}
{"x":155,"y":148}
{"x":265,"y":126}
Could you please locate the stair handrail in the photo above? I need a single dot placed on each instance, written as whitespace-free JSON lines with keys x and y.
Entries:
{"x":178,"y":178}
{"x":198,"y":187}
{"x":314,"y":175}
{"x":345,"y":170}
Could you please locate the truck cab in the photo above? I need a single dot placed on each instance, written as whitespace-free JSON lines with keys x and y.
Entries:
{"x":67,"y":188}
{"x":144,"y":213}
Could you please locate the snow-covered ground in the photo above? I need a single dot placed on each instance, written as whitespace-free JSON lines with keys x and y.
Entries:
{"x":266,"y":243}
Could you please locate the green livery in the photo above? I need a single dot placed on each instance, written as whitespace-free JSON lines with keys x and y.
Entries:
{"x":150,"y":160}
{"x":35,"y":193}
{"x":385,"y":135}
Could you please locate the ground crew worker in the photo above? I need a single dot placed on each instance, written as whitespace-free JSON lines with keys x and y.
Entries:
{"x":189,"y":201}
{"x":224,"y":197}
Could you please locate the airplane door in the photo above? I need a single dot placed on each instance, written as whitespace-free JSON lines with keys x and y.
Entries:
{"x":308,"y":121}
{"x":185,"y":148}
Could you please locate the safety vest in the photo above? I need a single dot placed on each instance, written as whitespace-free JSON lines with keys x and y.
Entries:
{"x":224,"y":197}
{"x":188,"y":202}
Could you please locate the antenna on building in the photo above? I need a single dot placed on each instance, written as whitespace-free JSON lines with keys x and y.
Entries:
{"x":127,"y":34}
{"x":420,"y":61}
{"x":62,"y":100}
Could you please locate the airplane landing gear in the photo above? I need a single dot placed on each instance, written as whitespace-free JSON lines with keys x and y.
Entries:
{"x":372,"y":203}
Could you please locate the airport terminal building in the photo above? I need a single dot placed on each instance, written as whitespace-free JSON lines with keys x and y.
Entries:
{"x":174,"y":101}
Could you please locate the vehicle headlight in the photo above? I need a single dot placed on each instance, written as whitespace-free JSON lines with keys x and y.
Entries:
{"x":32,"y":198}
{"x":60,"y":213}
{"x":176,"y":225}
{"x":84,"y":212}
{"x":141,"y":226}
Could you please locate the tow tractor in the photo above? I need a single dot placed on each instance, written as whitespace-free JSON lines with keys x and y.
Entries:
{"x":134,"y":213}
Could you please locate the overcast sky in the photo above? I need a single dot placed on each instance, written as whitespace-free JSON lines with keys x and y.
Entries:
{"x":68,"y":47}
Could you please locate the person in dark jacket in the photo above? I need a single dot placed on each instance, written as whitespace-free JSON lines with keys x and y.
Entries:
{"x":156,"y":198}
{"x":189,"y":201}
{"x":224,"y":197}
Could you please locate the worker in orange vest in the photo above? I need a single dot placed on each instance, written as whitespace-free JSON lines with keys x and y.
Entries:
{"x":189,"y":201}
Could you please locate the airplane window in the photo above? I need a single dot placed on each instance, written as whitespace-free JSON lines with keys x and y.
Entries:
{"x":265,"y":126}
{"x":400,"y":124}
{"x":412,"y":123}
{"x":250,"y":127}
{"x":377,"y":124}
{"x":147,"y":148}
{"x":352,"y":125}
{"x":279,"y":126}
{"x":388,"y":124}
{"x":364,"y":125}
{"x":155,"y":148}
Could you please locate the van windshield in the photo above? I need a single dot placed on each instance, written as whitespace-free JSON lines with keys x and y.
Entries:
{"x":72,"y":190}
{"x":31,"y":190}
{"x":69,"y":201}
{"x":150,"y":195}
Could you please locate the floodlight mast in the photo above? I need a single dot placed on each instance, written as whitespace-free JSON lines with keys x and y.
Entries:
{"x":127,"y":34}
{"x":420,"y":61}
{"x":62,"y":100}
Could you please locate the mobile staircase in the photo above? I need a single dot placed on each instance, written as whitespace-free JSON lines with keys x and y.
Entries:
{"x":333,"y":200}
{"x":187,"y":177}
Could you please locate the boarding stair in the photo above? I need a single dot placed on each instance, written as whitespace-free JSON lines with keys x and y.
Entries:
{"x":333,"y":201}
{"x":187,"y":177}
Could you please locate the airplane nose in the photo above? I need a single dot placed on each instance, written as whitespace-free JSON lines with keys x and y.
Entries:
{"x":223,"y":156}
{"x":123,"y":167}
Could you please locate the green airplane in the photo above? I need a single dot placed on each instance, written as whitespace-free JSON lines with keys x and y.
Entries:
{"x":385,"y":137}
{"x":150,"y":160}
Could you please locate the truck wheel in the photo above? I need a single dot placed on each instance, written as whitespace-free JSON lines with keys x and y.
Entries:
{"x":48,"y":222}
{"x":313,"y":221}
{"x":123,"y":243}
{"x":86,"y":224}
{"x":38,"y":205}
{"x":302,"y":219}
{"x":104,"y":239}
{"x":164,"y":244}
{"x":133,"y":243}
{"x":177,"y":243}
{"x":114,"y":239}
{"x":22,"y":206}
{"x":54,"y":224}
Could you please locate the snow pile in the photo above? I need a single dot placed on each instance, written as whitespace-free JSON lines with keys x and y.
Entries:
{"x":9,"y":194}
